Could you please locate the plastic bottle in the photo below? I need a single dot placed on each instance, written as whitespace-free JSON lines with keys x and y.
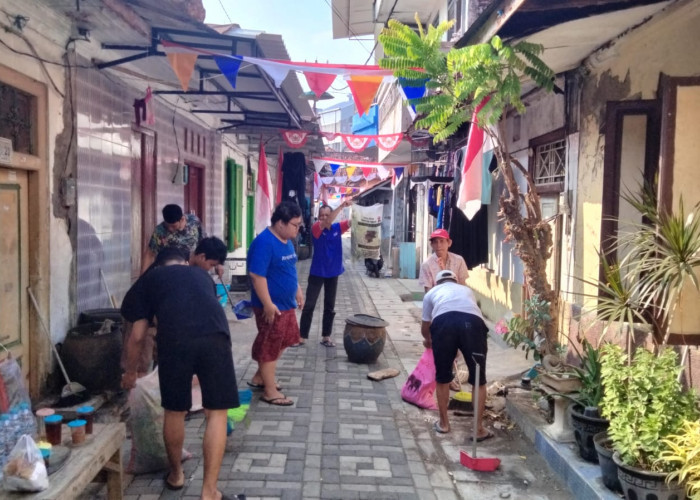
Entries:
{"x":5,"y":438}
{"x":27,"y":420}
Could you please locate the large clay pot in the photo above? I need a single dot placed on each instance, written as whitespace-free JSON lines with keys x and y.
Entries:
{"x":364,"y":338}
{"x":608,"y":468}
{"x":640,"y":484}
{"x":585,"y":427}
{"x":92,"y":359}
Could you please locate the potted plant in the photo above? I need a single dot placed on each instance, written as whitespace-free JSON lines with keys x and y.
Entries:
{"x":683,"y":454}
{"x":585,"y":412}
{"x":645,"y":404}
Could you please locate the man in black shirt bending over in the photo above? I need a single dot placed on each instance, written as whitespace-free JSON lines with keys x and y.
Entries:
{"x":193,"y":339}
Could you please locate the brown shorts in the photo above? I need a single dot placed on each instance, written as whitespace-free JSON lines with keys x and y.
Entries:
{"x":274,"y":338}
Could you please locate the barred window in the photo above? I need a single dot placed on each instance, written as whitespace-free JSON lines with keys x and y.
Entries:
{"x":16,"y":113}
{"x":550,"y":162}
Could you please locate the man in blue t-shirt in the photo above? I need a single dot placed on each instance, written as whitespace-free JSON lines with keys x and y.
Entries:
{"x":326,"y":266}
{"x":276,"y":293}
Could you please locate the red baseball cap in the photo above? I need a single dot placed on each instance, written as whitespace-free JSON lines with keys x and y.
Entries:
{"x":439,"y":233}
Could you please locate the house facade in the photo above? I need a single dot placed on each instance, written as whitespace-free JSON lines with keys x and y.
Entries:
{"x":87,"y":165}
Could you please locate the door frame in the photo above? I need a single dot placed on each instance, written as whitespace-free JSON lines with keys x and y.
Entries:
{"x":39,"y":199}
{"x":202,"y":189}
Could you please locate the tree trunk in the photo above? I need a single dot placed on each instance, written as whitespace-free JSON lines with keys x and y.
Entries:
{"x":532,"y":236}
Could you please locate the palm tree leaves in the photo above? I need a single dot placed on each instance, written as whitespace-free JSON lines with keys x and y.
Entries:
{"x":461,"y":78}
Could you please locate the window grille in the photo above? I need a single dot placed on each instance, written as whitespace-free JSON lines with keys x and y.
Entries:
{"x":16,"y":116}
{"x":550,"y":162}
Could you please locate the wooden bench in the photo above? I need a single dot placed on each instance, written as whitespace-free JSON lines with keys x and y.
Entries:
{"x":99,"y":459}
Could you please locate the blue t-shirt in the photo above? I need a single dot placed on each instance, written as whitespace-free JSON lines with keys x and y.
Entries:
{"x":327,"y":261}
{"x":270,"y":258}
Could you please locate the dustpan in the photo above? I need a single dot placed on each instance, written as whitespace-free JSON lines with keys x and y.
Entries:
{"x":472,"y":461}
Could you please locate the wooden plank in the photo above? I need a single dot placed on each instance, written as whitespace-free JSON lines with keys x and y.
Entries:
{"x":84,"y":463}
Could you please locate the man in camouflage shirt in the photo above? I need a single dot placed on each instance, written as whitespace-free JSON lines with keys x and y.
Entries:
{"x":182,"y":231}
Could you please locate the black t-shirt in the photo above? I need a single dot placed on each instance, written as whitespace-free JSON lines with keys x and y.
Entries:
{"x":182,"y":298}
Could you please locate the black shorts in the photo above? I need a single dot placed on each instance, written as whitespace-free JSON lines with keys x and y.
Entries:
{"x":210,"y":358}
{"x":454,"y":331}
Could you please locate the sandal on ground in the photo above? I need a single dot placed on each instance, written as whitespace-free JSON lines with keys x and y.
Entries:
{"x":439,"y":429}
{"x":262,"y":386}
{"x":281,"y":401}
{"x":171,"y":486}
{"x":479,"y":439}
{"x":298,"y":344}
{"x":327,"y":343}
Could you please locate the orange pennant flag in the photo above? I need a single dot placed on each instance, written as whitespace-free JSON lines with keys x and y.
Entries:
{"x":183,"y":66}
{"x":363,"y":89}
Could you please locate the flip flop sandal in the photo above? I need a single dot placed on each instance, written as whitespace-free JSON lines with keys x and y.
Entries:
{"x":282,"y":401}
{"x":483,"y":438}
{"x":261,"y":386}
{"x":439,"y":429}
{"x":171,"y":486}
{"x":327,"y":343}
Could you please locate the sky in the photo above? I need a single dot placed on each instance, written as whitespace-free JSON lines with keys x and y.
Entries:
{"x":305,"y":26}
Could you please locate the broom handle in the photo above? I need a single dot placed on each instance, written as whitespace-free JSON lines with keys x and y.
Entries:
{"x":476,"y":407}
{"x":48,"y":334}
{"x":459,"y":382}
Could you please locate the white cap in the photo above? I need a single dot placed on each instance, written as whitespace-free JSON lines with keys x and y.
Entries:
{"x":445,"y":275}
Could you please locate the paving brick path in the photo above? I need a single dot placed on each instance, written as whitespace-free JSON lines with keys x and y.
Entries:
{"x":347,"y":437}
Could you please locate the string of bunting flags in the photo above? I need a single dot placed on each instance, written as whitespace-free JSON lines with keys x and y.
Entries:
{"x":357,"y":143}
{"x":363,"y":80}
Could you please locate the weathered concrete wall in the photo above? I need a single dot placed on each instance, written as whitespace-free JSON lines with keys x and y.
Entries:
{"x":499,"y":284}
{"x":627,"y":69}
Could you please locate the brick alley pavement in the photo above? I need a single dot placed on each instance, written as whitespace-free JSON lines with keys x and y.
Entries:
{"x":347,"y":437}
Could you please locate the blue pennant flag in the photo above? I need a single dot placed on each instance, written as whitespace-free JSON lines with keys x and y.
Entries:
{"x":413,"y":89}
{"x":229,"y":67}
{"x":334,"y":167}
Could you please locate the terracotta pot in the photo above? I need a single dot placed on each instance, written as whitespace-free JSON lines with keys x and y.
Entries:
{"x":364,"y":338}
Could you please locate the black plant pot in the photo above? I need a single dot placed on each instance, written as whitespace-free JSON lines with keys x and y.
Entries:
{"x":640,"y":484}
{"x":608,"y":468}
{"x":585,"y":427}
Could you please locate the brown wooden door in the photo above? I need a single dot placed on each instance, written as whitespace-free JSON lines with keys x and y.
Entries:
{"x":143,"y":194}
{"x":14,"y":266}
{"x":194,"y":191}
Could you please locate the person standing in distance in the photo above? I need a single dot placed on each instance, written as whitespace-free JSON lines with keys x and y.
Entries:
{"x":276,"y":294}
{"x":452,"y":321}
{"x":326,"y":266}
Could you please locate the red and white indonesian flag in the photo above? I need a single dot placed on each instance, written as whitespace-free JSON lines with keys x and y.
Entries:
{"x":263,"y":200}
{"x":469,"y":199}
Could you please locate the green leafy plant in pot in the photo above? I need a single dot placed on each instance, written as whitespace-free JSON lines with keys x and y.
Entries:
{"x":585,"y":412}
{"x":645,"y":404}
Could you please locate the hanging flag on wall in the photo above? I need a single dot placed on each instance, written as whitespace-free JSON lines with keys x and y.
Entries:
{"x":295,"y":138}
{"x":263,"y":205}
{"x":469,"y":198}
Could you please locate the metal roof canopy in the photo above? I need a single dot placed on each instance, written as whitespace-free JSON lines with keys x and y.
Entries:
{"x":569,"y":30}
{"x":254,"y":102}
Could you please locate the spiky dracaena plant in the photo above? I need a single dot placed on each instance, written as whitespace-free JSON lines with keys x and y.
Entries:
{"x":460,"y":80}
